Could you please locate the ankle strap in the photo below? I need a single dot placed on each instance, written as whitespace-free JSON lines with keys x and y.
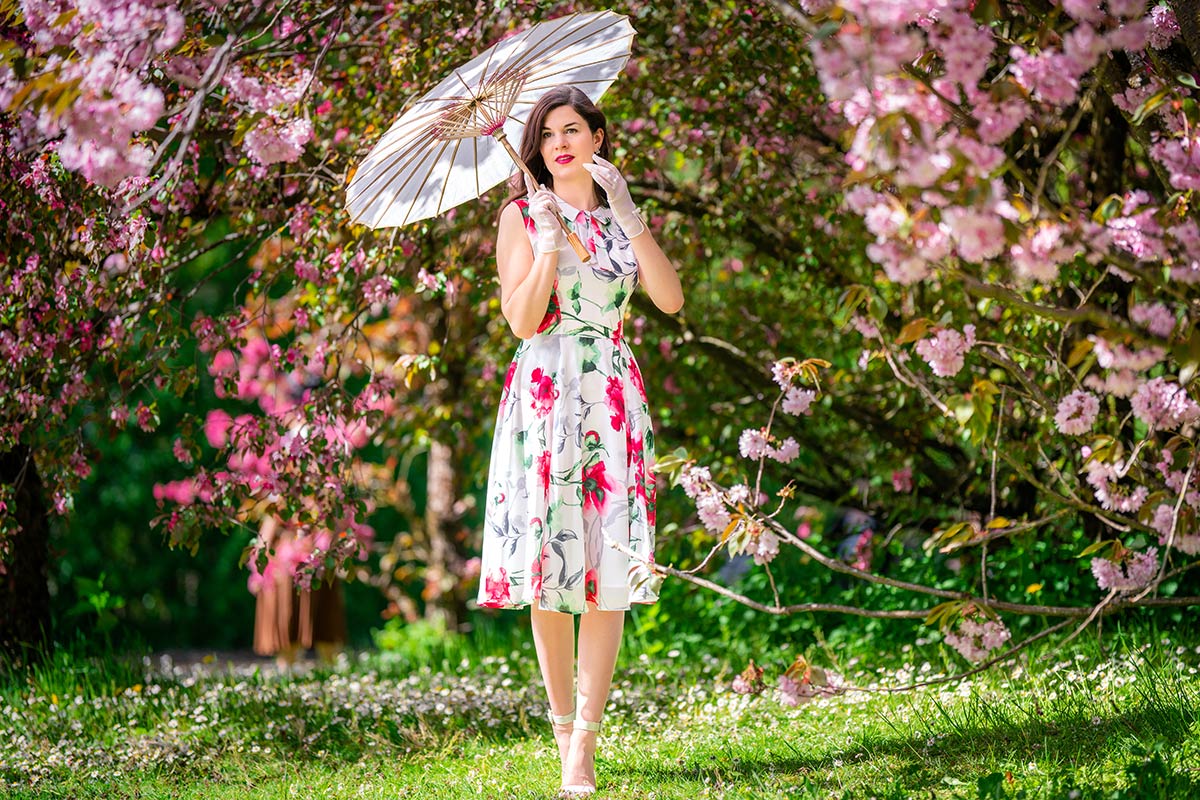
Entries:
{"x":565,"y":719}
{"x":585,"y":725}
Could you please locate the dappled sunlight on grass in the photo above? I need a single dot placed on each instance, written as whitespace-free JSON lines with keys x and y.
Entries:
{"x":673,"y":729}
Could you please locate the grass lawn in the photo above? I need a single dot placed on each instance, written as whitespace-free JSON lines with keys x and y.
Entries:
{"x":1080,"y":724}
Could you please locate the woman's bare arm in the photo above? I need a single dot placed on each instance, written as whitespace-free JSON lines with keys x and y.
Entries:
{"x":656,"y":273}
{"x":526,"y":281}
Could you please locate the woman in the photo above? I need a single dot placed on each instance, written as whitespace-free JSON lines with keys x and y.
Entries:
{"x":572,"y":459}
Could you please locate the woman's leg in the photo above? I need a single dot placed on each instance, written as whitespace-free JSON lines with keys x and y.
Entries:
{"x":554,"y":640}
{"x":599,"y":641}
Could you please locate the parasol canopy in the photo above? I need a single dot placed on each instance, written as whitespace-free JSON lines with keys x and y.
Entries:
{"x":452,"y":144}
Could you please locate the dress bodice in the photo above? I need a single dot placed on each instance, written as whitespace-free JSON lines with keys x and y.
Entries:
{"x":589,"y":298}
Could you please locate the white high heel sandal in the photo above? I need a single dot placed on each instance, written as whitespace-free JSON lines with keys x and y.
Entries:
{"x":577,"y":791}
{"x":564,"y":719}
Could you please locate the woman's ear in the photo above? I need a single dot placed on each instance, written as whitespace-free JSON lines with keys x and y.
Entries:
{"x":597,"y":139}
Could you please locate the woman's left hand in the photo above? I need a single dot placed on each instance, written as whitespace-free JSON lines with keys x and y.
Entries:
{"x":611,"y":181}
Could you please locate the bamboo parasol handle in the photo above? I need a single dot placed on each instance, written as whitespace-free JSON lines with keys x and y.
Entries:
{"x":576,"y":245}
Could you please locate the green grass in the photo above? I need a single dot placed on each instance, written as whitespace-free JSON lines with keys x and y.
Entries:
{"x":1116,"y":726}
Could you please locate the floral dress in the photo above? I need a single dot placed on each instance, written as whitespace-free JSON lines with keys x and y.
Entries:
{"x":572,"y":458}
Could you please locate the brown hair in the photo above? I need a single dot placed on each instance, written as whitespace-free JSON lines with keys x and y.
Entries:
{"x":531,"y":139}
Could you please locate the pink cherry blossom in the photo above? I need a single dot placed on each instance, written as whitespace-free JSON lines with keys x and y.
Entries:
{"x":1154,"y":317}
{"x":1164,"y":405}
{"x":798,"y":401}
{"x":899,"y":263}
{"x":694,"y":480}
{"x":1118,"y":383}
{"x":1120,"y":357}
{"x":1135,"y":571}
{"x":1038,"y":255}
{"x":1103,"y":477}
{"x":975,"y":640}
{"x":1187,"y":542}
{"x":1077,"y":413}
{"x":783,"y":372}
{"x":977,"y":235}
{"x":789,"y":691}
{"x":1164,"y":27}
{"x":273,"y":142}
{"x":753,"y":443}
{"x":1084,"y":10}
{"x":998,"y":119}
{"x":710,"y":507}
{"x":181,"y":452}
{"x":765,"y":547}
{"x":738,"y":494}
{"x":946,"y":349}
{"x":1050,"y":76}
{"x":786,"y":452}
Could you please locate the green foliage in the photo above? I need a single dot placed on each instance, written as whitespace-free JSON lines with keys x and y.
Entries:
{"x":417,"y":643}
{"x":95,"y":599}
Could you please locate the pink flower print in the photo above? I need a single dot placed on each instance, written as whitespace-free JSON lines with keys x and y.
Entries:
{"x":593,"y":234}
{"x":591,"y":586}
{"x":583,"y":220}
{"x":618,"y":332}
{"x":616,"y":402}
{"x":544,"y":393}
{"x":512,"y":369}
{"x":637,"y":460}
{"x":496,"y":587}
{"x":530,"y":225}
{"x":634,"y":448}
{"x":553,"y":311}
{"x":635,"y":375}
{"x":536,"y":575}
{"x":543,"y":468}
{"x":595,"y":486}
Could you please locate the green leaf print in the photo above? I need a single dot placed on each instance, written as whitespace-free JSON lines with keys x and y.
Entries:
{"x":576,"y":290}
{"x":617,"y":301}
{"x":590,"y":351}
{"x":589,"y":366}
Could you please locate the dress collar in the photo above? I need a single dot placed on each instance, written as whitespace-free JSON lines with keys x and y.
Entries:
{"x":573,"y":211}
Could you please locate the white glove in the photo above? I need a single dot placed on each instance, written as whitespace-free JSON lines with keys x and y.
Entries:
{"x":610,"y":180}
{"x":543,"y":208}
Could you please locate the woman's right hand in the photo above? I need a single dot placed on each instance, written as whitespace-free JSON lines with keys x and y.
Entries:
{"x":543,"y":208}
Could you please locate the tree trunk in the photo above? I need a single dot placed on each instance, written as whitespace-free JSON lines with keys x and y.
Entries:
{"x":1187,"y":14}
{"x":24,"y":593}
{"x":1109,"y":133}
{"x":444,"y":562}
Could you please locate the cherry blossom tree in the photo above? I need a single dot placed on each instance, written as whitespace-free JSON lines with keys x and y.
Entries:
{"x":149,"y":148}
{"x":1022,"y":171}
{"x":939,"y":259}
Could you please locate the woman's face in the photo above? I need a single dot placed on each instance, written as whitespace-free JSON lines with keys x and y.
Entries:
{"x":567,"y":143}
